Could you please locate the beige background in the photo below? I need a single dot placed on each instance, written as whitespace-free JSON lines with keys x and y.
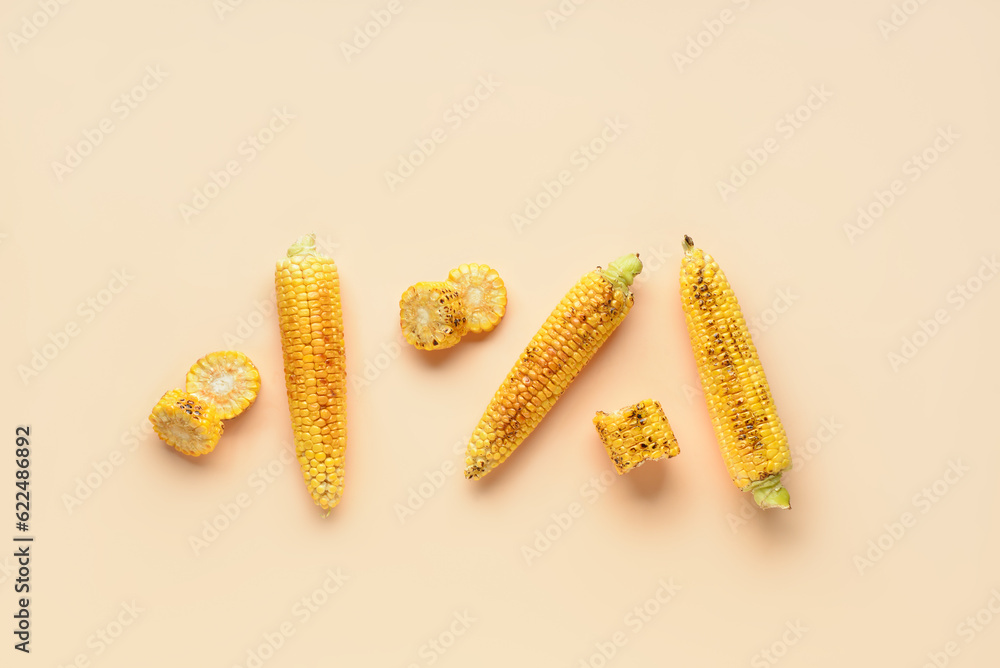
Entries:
{"x":199,"y":285}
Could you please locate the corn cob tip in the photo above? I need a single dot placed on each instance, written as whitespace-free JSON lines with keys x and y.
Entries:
{"x":687,"y":244}
{"x":623,"y":271}
{"x":306,"y":245}
{"x":768,"y":493}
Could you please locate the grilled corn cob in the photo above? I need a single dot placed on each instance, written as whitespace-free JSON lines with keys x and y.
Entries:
{"x":568,"y":339}
{"x":432,"y":316}
{"x":636,"y":434}
{"x":187,"y":423}
{"x":226,"y":379}
{"x":312,"y":344}
{"x":750,"y":435}
{"x":482,"y":293}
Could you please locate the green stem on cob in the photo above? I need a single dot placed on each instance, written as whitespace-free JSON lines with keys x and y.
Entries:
{"x":768,"y":493}
{"x":623,"y":271}
{"x":306,"y":245}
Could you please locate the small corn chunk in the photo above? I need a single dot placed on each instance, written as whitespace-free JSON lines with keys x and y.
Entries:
{"x":227,"y":379}
{"x":432,"y":316}
{"x":187,"y":423}
{"x":482,"y":293}
{"x":312,"y":345}
{"x":569,"y":338}
{"x":750,"y":435}
{"x":636,"y":434}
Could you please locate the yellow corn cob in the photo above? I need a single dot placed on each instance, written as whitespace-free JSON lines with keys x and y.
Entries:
{"x":751,"y":437}
{"x":187,"y":423}
{"x":227,"y":379}
{"x":636,"y":434}
{"x":573,"y":332}
{"x":482,"y":293}
{"x":432,"y":315}
{"x":312,"y":344}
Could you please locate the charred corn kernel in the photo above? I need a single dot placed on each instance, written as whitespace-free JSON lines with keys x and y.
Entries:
{"x":226,"y":379}
{"x":432,"y":315}
{"x":312,"y":344}
{"x":186,"y":422}
{"x":636,"y":434}
{"x":482,"y":293}
{"x":750,"y":435}
{"x":568,"y":339}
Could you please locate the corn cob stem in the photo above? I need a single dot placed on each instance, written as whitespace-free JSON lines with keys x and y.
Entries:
{"x":768,"y":493}
{"x":569,"y":338}
{"x":750,"y":434}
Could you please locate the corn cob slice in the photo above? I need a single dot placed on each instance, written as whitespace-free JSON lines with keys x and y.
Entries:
{"x":568,"y":339}
{"x":187,"y":423}
{"x":482,"y":293}
{"x":432,"y":316}
{"x":750,"y":435}
{"x":636,"y":434}
{"x":226,"y":379}
{"x":312,"y":345}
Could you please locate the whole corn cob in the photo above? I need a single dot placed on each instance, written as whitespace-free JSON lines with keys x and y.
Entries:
{"x":636,"y":434}
{"x":312,"y":344}
{"x":752,"y":440}
{"x":568,"y":339}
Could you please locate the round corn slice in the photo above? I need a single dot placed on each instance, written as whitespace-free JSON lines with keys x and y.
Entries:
{"x":432,"y":316}
{"x":187,"y":423}
{"x":483,"y":293}
{"x":227,"y":379}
